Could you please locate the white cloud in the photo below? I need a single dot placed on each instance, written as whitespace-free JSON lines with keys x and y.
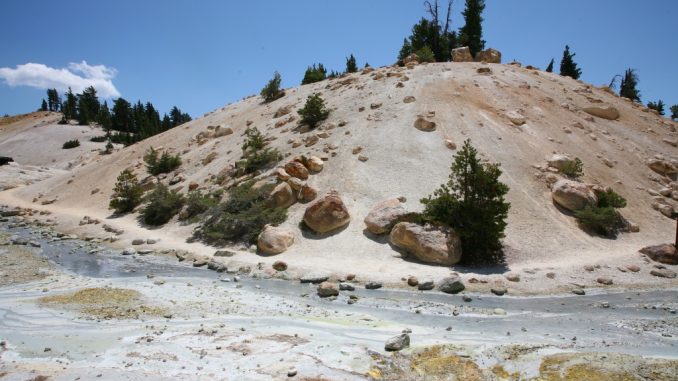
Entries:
{"x":78,"y":76}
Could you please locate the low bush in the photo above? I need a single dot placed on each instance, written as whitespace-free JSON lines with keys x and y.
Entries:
{"x":425,"y":54}
{"x":166,"y":163}
{"x":314,"y":111}
{"x":127,"y":193}
{"x":98,"y":139}
{"x":573,"y":169}
{"x":198,"y":203}
{"x":71,"y":144}
{"x":314,"y":74}
{"x":604,"y":219}
{"x":241,"y":218}
{"x":256,"y":155}
{"x":162,"y":205}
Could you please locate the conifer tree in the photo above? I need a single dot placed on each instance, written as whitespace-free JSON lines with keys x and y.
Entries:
{"x":472,"y":203}
{"x":70,"y":106}
{"x":314,"y":111}
{"x":627,"y":88}
{"x":43,"y":107}
{"x":568,"y":67}
{"x":674,"y":112}
{"x":53,"y":100}
{"x":104,"y":118}
{"x":314,"y":74}
{"x":657,"y":106}
{"x":549,"y":68}
{"x":272,"y":91}
{"x":471,"y":34}
{"x":434,"y":33}
{"x":127,"y":193}
{"x":351,"y":66}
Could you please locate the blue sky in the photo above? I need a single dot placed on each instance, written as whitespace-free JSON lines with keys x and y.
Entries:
{"x":200,"y":55}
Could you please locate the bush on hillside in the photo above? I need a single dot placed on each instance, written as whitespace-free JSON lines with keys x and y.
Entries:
{"x":604,"y":219}
{"x":162,"y":205}
{"x":198,"y":203}
{"x":256,"y":155}
{"x":314,"y":111}
{"x":127,"y":193}
{"x":71,"y":144}
{"x":472,"y":203}
{"x":425,"y":54}
{"x":241,"y":218}
{"x":166,"y":163}
{"x":272,"y":91}
{"x":98,"y":139}
{"x":573,"y":169}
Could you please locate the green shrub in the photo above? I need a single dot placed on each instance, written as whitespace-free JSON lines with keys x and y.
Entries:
{"x":198,"y":203}
{"x":425,"y":54}
{"x":472,"y":203}
{"x":314,"y":74}
{"x":166,"y":163}
{"x":241,"y":218}
{"x":573,"y":169}
{"x":162,"y":205}
{"x":604,"y":219}
{"x":98,"y":139}
{"x":314,"y":111}
{"x":256,"y":155}
{"x":109,"y":148}
{"x":272,"y":91}
{"x":127,"y":193}
{"x":71,"y":144}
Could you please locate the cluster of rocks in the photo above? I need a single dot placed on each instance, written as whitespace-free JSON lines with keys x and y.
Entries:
{"x":463,"y":54}
{"x":211,"y":133}
{"x":430,"y":244}
{"x":87,"y":220}
{"x":663,"y":200}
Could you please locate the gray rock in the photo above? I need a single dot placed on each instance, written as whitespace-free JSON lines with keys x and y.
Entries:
{"x":451,"y":285}
{"x":397,"y":343}
{"x":663,"y":273}
{"x":579,"y":291}
{"x":373,"y":285}
{"x":34,"y":243}
{"x":129,"y":251}
{"x":138,"y":241}
{"x":499,"y":291}
{"x":327,"y":289}
{"x":224,"y":253}
{"x":314,"y":278}
{"x":216,"y":266}
{"x":426,"y":285}
{"x":346,"y":287}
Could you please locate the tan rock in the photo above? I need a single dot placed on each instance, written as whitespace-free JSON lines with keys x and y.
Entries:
{"x":427,"y":243}
{"x":221,"y":130}
{"x":663,"y":167}
{"x":274,"y":240}
{"x":560,"y":161}
{"x":295,"y":183}
{"x":450,"y":144}
{"x":327,"y":289}
{"x":409,"y":99}
{"x":282,"y":196}
{"x":314,"y":164}
{"x":424,"y":125}
{"x":282,"y":111}
{"x":384,"y":216}
{"x":308,"y":193}
{"x":462,"y":54}
{"x":609,"y":112}
{"x":573,"y":195}
{"x":489,"y":55}
{"x":516,"y":117}
{"x":665,"y":253}
{"x":296,"y":169}
{"x":282,"y":174}
{"x":327,"y":213}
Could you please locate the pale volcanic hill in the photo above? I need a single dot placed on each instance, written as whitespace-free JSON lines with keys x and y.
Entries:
{"x":368,"y":111}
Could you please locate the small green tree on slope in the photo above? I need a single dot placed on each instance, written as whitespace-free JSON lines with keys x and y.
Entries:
{"x":126,"y":193}
{"x":627,"y":88}
{"x":472,"y":203}
{"x":351,"y":66}
{"x":549,"y":68}
{"x":272,"y":91}
{"x":568,"y":67}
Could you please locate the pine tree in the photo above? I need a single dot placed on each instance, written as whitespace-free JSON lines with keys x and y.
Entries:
{"x":434,"y":33}
{"x":70,"y":106}
{"x":549,"y":69}
{"x":405,"y":51}
{"x":43,"y":107}
{"x":568,"y":67}
{"x":674,"y":112}
{"x":83,"y":111}
{"x":121,"y":118}
{"x":627,"y":88}
{"x":472,"y":203}
{"x":314,"y":74}
{"x":53,"y":100}
{"x":657,"y":106}
{"x":471,"y":34}
{"x":271,"y":91}
{"x":127,"y":193}
{"x":351,"y":66}
{"x":314,"y":111}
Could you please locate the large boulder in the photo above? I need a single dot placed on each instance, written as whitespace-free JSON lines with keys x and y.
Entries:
{"x":384,"y":216}
{"x":560,"y":161}
{"x":296,"y":169}
{"x":424,"y":125}
{"x":451,"y":285}
{"x":462,"y":54}
{"x":282,"y":196}
{"x":609,"y":112}
{"x":327,"y":213}
{"x":489,"y":55}
{"x":665,"y":253}
{"x":314,"y":164}
{"x":573,"y":195}
{"x":274,"y":240}
{"x":327,"y":289}
{"x":663,"y":167}
{"x":428,"y":243}
{"x":397,"y":343}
